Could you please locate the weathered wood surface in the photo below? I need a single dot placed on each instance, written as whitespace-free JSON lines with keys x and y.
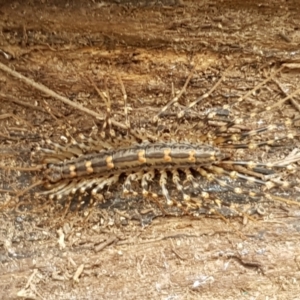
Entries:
{"x":151,"y":45}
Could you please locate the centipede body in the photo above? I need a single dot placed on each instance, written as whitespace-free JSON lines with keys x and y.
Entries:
{"x":171,"y":163}
{"x":157,"y":155}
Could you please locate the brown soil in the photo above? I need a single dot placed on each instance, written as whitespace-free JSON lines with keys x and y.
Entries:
{"x":47,"y":253}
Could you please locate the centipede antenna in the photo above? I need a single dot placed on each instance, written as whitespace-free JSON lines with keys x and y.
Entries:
{"x":38,"y":183}
{"x":204,"y":96}
{"x":284,"y":91}
{"x":175,"y":99}
{"x":279,"y":103}
{"x":26,"y":169}
{"x":125,"y":100}
{"x":258,"y":86}
{"x":283,"y":200}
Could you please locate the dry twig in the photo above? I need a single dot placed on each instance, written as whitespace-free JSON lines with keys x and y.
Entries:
{"x":53,"y":94}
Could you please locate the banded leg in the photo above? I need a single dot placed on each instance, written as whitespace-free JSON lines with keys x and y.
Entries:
{"x":89,"y":144}
{"x":58,"y":153}
{"x":86,"y":184}
{"x":127,"y":189}
{"x":174,"y":100}
{"x":267,"y":170}
{"x":237,"y":190}
{"x":179,"y":187}
{"x":71,"y":147}
{"x":235,"y":175}
{"x":223,"y":140}
{"x":54,"y":189}
{"x":146,"y":178}
{"x":189,"y":178}
{"x":162,"y":183}
{"x":55,"y":157}
{"x":106,"y":181}
{"x":204,"y":96}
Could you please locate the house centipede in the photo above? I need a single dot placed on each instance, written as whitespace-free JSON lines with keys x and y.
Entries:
{"x":94,"y":164}
{"x":83,"y":170}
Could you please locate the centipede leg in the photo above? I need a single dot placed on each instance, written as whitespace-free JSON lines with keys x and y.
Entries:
{"x":162,"y":183}
{"x":146,"y":178}
{"x":175,"y":99}
{"x":204,"y":96}
{"x":179,"y":187}
{"x":127,"y":188}
{"x":153,"y":197}
{"x":106,"y":181}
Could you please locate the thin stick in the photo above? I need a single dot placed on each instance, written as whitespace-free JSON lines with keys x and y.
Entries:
{"x":108,"y":101}
{"x":53,"y":94}
{"x":5,"y":116}
{"x":108,"y":108}
{"x":242,"y":236}
{"x":13,"y":99}
{"x":100,"y":94}
{"x":9,"y":137}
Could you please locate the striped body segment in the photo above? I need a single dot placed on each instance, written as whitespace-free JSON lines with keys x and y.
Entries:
{"x":143,"y":156}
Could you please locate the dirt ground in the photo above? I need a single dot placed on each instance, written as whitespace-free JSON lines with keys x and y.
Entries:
{"x":153,"y":47}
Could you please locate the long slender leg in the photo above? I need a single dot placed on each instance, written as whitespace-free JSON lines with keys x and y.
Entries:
{"x":162,"y":183}
{"x":127,"y":189}
{"x":179,"y":187}
{"x":108,"y":181}
{"x":175,"y":99}
{"x":146,"y":178}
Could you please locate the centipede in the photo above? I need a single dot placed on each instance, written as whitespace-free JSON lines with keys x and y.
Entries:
{"x":194,"y":172}
{"x":83,"y":168}
{"x":79,"y":167}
